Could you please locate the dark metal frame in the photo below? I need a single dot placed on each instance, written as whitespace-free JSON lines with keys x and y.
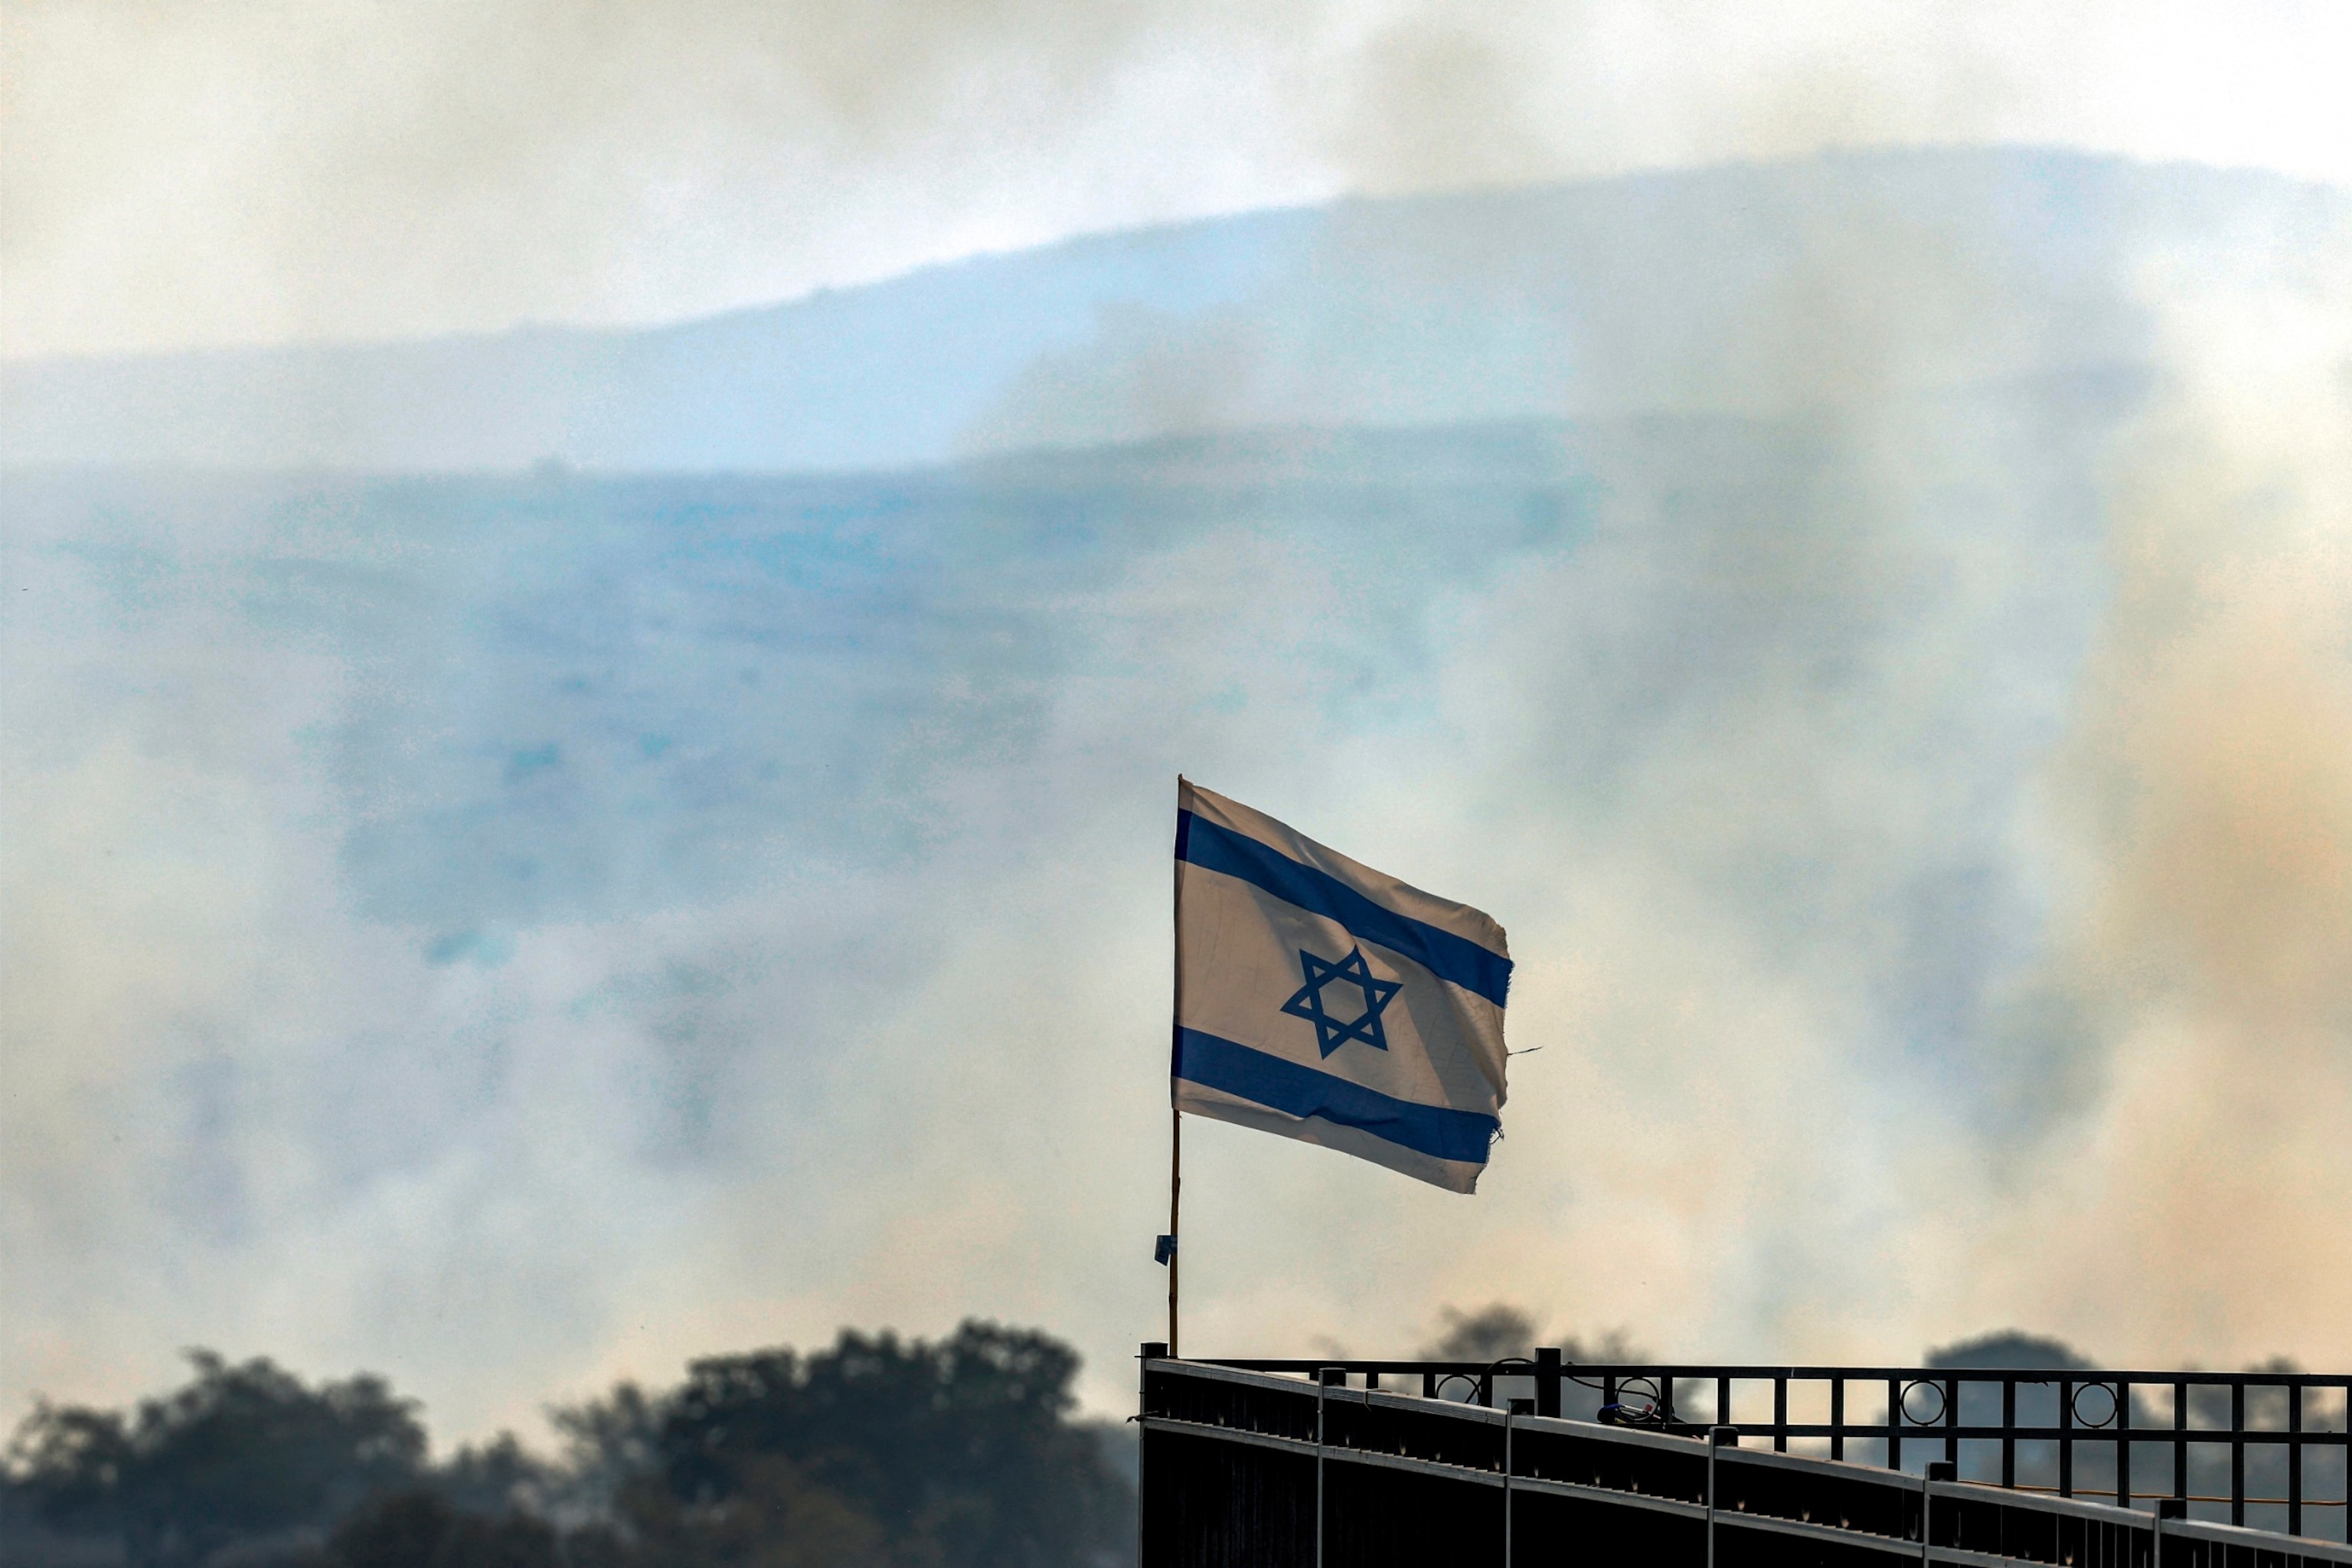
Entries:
{"x":1922,"y":1413}
{"x":1247,"y":1469}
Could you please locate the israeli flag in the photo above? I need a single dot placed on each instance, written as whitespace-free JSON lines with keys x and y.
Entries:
{"x":1319,"y":999}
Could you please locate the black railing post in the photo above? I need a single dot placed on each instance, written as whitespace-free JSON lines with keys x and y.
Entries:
{"x":2009,"y":1431}
{"x":2066,"y":1437}
{"x":1153,"y":1350}
{"x":1837,"y":1418}
{"x":1723,"y":1402}
{"x":1717,"y":1437}
{"x":1511,"y":1409}
{"x":2295,"y":1458}
{"x":1780,"y":1415}
{"x":2237,"y":1452}
{"x":1667,"y":1396}
{"x":1938,"y":1470}
{"x":1324,"y":1379}
{"x":1894,"y":1423}
{"x":1951,"y":1420}
{"x":2342,"y":1469}
{"x":1608,"y":1399}
{"x":1547,"y":1373}
{"x":2123,"y":1444}
{"x":2180,"y":1446}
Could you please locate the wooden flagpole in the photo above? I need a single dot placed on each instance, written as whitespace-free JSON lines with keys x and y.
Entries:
{"x":1175,"y":1195}
{"x":1175,"y":1115}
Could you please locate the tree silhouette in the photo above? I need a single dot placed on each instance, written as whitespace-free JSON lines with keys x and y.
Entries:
{"x":239,"y":1453}
{"x":877,"y":1452}
{"x":960,"y":1451}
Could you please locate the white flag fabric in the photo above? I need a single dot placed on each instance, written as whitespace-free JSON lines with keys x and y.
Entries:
{"x":1319,"y":999}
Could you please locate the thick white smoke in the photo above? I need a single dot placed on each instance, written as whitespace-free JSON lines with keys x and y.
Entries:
{"x":514,"y":933}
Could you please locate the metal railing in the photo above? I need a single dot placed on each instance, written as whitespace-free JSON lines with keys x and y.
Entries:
{"x":2209,"y":1445}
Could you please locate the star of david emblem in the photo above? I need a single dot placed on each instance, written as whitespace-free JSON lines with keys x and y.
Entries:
{"x":1330,"y":1032}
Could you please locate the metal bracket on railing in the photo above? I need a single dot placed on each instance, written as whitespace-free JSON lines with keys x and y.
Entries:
{"x":1325,"y":1377}
{"x":2166,"y":1507}
{"x":1938,"y":1470}
{"x":1512,"y":1410}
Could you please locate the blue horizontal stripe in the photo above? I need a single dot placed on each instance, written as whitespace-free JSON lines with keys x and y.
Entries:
{"x":1443,"y":953}
{"x":1214,"y":1062}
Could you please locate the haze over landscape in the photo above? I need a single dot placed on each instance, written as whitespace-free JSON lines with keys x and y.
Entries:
{"x":536,"y":853}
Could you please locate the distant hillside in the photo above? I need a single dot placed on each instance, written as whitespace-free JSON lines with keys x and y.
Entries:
{"x":571,"y":696}
{"x":1741,"y":290}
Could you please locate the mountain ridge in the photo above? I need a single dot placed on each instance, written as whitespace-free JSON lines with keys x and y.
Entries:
{"x":1738,"y":286}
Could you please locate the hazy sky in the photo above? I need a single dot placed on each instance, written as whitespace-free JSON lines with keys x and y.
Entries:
{"x":515,"y":936}
{"x":236,"y":173}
